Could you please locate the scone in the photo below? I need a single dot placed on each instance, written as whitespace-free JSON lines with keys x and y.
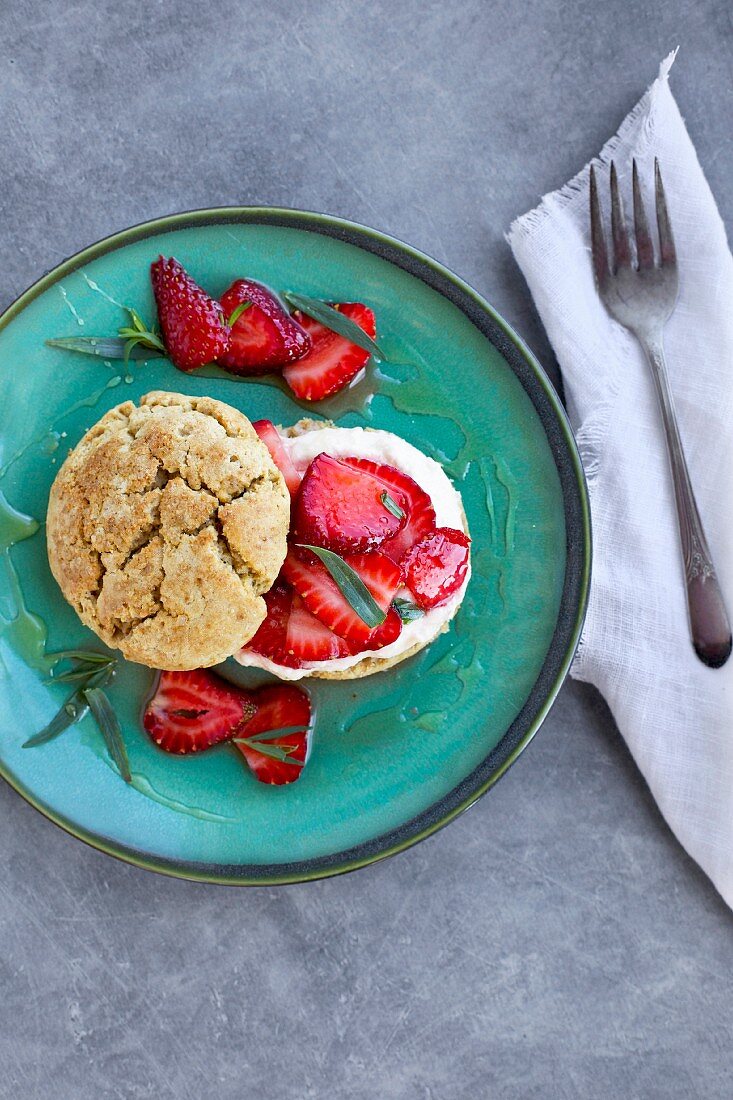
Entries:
{"x":400,"y":505}
{"x":166,"y":525}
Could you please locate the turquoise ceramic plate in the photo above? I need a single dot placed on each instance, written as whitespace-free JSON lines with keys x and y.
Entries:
{"x":395,"y":756}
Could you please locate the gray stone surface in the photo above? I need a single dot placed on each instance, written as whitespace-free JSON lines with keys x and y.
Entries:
{"x":555,"y":942}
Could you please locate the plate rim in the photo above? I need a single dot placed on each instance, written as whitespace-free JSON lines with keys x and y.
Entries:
{"x":522,"y":362}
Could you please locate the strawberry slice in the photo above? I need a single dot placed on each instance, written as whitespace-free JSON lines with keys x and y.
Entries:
{"x":415,"y":501}
{"x":385,"y":634}
{"x":192,"y":323}
{"x":341,"y":508}
{"x":191,"y":711}
{"x":321,"y":595}
{"x":271,"y":637}
{"x":332,"y":361}
{"x":277,"y":760}
{"x":436,"y":566}
{"x":264,"y":337}
{"x":270,"y":436}
{"x":291,"y":635}
{"x":308,"y":639}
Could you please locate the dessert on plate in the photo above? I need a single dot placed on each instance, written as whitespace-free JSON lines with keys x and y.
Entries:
{"x":183,"y":534}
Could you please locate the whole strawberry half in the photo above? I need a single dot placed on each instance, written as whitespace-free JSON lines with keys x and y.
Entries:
{"x":436,"y":566}
{"x":333,"y":361}
{"x":323,"y":597}
{"x":270,"y":436}
{"x":342,"y":508}
{"x":416,"y":502}
{"x":264,"y":337}
{"x":277,"y":758}
{"x":191,"y":711}
{"x":192,"y":323}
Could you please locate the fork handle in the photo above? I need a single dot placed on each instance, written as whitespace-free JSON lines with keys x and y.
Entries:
{"x":709,"y":622}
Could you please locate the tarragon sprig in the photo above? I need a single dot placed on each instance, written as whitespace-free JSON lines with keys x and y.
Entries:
{"x":92,"y":672}
{"x":133,"y":341}
{"x":261,"y":742}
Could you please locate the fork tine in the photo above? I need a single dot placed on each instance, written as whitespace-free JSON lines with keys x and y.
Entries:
{"x":597,"y":239}
{"x":621,"y":252}
{"x":666,"y":240}
{"x":644,"y":246}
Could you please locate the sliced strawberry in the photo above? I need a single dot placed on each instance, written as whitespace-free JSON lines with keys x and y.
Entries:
{"x":276,"y":759}
{"x":321,"y":595}
{"x":192,"y":711}
{"x":341,"y":508}
{"x":332,"y":361}
{"x":415,"y":501}
{"x":436,"y":566}
{"x":192,"y":323}
{"x":308,"y":639}
{"x":271,"y":638}
{"x":270,"y":436}
{"x":264,"y":337}
{"x":385,"y":634}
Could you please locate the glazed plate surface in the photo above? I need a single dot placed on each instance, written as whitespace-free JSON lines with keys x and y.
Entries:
{"x":397,"y":755}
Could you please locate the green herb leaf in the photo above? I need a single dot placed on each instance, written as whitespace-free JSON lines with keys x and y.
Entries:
{"x":109,"y":726}
{"x":237,"y":313}
{"x":104,"y":347}
{"x":350,"y":585}
{"x":76,"y":674}
{"x":407,"y":611}
{"x":147,"y":339}
{"x":272,"y":735}
{"x":336,"y":321}
{"x":283,"y":753}
{"x":75,"y":707}
{"x":81,"y":655}
{"x":391,"y":505}
{"x":137,"y":320}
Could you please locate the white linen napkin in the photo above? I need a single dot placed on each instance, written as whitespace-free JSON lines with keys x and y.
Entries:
{"x":675,"y":714}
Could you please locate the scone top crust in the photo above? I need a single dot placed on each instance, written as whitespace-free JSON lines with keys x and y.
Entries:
{"x":166,"y":524}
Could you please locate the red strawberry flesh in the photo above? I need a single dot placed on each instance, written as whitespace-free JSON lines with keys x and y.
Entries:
{"x":385,"y":634}
{"x":322,"y":596}
{"x":341,"y":508}
{"x":270,"y":436}
{"x":264,"y":337}
{"x":291,"y":635}
{"x":415,"y":501}
{"x":191,"y":711}
{"x":435,"y":568}
{"x":308,"y":639}
{"x":278,"y":707}
{"x":271,"y":638}
{"x":193,"y":326}
{"x":333,"y":361}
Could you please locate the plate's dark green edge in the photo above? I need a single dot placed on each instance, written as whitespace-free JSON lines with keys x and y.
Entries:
{"x":577,"y":520}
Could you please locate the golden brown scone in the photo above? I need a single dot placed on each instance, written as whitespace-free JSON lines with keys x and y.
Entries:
{"x":165,"y":526}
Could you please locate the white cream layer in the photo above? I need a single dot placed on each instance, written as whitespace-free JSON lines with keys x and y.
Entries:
{"x":380,"y":447}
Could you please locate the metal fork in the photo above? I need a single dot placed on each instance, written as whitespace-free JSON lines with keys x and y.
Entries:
{"x":641,"y":297}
